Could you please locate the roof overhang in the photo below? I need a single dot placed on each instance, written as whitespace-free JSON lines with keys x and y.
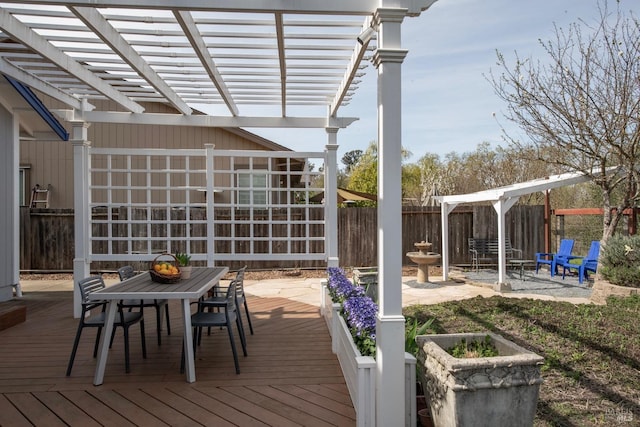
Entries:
{"x":521,"y":189}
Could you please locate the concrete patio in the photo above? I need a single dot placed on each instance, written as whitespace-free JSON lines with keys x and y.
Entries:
{"x":461,"y":285}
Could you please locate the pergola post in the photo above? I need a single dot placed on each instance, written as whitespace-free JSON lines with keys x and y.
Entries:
{"x":331,"y":197}
{"x":10,"y":211}
{"x":502,"y":206}
{"x":445,"y":210}
{"x":82,"y":211}
{"x":388,"y":60}
{"x":211,"y":234}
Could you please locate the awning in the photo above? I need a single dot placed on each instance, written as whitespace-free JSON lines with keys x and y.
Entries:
{"x":347,"y":195}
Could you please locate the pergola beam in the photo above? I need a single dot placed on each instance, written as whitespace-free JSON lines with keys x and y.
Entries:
{"x":333,"y":7}
{"x":35,"y":83}
{"x":39,"y":44}
{"x":160,"y":119}
{"x":350,"y":73}
{"x":282,"y":62}
{"x":103,"y":29}
{"x":199,"y":46}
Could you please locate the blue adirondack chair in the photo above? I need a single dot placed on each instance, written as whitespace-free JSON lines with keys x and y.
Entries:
{"x":551,"y":259}
{"x":588,"y":263}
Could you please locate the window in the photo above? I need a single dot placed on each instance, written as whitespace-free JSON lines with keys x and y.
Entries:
{"x":256,"y":188}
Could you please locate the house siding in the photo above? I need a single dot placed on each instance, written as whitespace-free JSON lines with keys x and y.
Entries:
{"x":51,"y":162}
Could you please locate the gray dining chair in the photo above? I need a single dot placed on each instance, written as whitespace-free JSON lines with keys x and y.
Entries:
{"x":124,"y":319}
{"x":224,"y":318}
{"x":127,"y":272}
{"x":218,"y":299}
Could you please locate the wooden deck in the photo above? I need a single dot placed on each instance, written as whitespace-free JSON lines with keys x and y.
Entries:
{"x":289,"y":378}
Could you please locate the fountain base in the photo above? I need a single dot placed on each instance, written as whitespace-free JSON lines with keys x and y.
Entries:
{"x":424,"y":258}
{"x":423,"y":261}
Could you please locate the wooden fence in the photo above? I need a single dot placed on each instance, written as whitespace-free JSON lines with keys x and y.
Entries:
{"x":46,"y":236}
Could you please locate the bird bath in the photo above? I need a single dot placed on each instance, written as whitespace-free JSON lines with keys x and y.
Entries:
{"x":424,"y":258}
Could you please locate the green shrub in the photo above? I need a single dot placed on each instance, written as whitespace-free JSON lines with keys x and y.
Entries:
{"x":620,"y":261}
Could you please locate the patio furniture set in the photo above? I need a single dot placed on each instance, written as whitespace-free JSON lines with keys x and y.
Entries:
{"x":122,"y":305}
{"x":483,"y":249}
{"x":564,"y":258}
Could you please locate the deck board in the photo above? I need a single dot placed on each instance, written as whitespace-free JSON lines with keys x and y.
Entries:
{"x":289,"y":378}
{"x":10,"y":415}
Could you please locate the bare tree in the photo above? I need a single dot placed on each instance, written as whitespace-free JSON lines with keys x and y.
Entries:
{"x":350,"y":159}
{"x":580,"y":105}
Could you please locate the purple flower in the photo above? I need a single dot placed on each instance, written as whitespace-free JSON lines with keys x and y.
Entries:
{"x":341,"y":288}
{"x":359,"y":310}
{"x":361,"y":315}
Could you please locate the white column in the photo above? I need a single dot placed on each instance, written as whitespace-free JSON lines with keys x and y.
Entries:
{"x":502,"y":207}
{"x":445,"y":210}
{"x":444,"y":222}
{"x":331,"y":198}
{"x":211,"y":234}
{"x":390,"y":399}
{"x":82,"y":210}
{"x":499,"y":208}
{"x":10,"y":210}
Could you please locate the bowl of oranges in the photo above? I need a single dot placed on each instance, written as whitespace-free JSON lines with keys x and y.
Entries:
{"x":164,"y":270}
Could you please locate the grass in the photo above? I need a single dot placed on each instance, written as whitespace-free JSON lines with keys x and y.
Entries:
{"x":591,"y":371}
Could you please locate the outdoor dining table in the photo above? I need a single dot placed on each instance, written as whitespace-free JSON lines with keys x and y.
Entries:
{"x":142,"y":287}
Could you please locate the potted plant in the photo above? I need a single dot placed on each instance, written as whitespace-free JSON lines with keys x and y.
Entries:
{"x":491,"y":391}
{"x":183,"y":262}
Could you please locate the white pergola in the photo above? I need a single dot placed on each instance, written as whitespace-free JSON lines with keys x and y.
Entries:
{"x":502,"y":199}
{"x":237,"y":57}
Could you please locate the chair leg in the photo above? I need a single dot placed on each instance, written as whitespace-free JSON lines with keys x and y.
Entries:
{"x":240,"y":327}
{"x":182,"y":358}
{"x":74,"y":350}
{"x":246,"y":309}
{"x":233,"y":347}
{"x":127,"y":368}
{"x":97,"y":343}
{"x":113,"y":334}
{"x":166,"y":313}
{"x":144,"y":339}
{"x":159,"y":324}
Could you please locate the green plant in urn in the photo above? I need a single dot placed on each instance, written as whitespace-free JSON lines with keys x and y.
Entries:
{"x":183,"y":262}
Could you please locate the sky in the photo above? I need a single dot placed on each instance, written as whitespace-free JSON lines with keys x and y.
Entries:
{"x":448,"y":104}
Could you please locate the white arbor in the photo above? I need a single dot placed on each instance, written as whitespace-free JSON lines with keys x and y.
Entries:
{"x":231,"y":56}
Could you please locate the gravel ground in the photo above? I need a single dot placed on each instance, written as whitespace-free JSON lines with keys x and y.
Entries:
{"x":532,"y":283}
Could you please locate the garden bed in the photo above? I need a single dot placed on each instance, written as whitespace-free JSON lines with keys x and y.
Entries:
{"x":591,"y":371}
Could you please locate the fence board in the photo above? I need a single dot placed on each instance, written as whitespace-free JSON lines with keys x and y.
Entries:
{"x":47,"y":234}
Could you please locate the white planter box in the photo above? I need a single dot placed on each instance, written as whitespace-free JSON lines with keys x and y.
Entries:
{"x":330,"y":311}
{"x":360,"y":375}
{"x":360,"y":371}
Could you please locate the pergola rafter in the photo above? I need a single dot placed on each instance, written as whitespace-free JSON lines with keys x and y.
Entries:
{"x":295,"y":62}
{"x":298,"y":59}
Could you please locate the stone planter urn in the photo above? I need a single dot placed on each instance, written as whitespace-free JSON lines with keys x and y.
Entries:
{"x":484,"y":391}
